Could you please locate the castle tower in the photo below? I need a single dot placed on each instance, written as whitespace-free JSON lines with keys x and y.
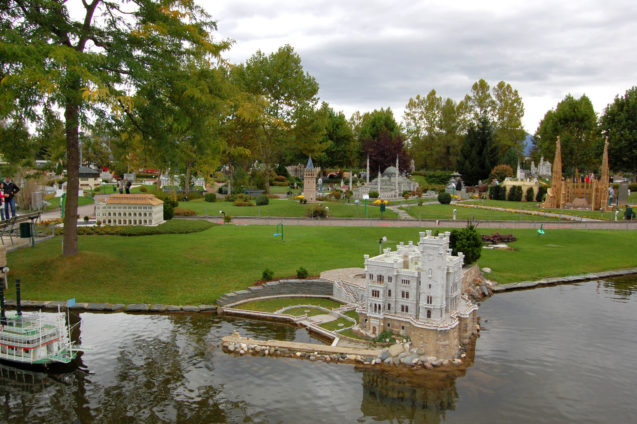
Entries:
{"x":556,"y":183}
{"x":309,"y":181}
{"x":604,"y":182}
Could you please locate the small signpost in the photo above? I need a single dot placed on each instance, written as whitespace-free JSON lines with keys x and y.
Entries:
{"x":279,"y":231}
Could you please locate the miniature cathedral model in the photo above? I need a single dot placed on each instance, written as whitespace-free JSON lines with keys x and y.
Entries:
{"x":416,"y":291}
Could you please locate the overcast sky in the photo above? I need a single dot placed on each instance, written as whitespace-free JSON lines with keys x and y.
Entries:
{"x":368,"y":54}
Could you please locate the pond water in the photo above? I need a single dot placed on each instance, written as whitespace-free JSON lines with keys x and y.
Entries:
{"x":550,"y":355}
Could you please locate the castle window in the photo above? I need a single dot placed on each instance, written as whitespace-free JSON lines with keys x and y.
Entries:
{"x":371,"y":276}
{"x":375,"y":293}
{"x":404,"y":308}
{"x":389,"y":292}
{"x":428,"y":313}
{"x":429,"y":285}
{"x":380,"y":278}
{"x":405,"y":282}
{"x":389,"y":309}
{"x":388,"y":325}
{"x":429,"y":300}
{"x":389,"y":279}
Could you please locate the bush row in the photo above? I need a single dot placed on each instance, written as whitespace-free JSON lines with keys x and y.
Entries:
{"x":169,"y":227}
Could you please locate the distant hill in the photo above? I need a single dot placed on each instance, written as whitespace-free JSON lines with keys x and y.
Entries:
{"x":528,"y":144}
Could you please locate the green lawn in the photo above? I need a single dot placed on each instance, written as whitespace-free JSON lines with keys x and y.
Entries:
{"x":560,"y":253}
{"x":534,"y":206}
{"x":334,"y":325}
{"x":54,"y":203}
{"x":273,"y":305}
{"x":438,"y":211}
{"x":198,"y":268}
{"x":283,"y":208}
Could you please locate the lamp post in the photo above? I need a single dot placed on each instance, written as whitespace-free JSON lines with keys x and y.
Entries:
{"x":224,"y":216}
{"x":380,"y":244}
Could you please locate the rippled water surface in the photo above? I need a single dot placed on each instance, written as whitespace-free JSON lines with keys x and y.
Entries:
{"x":561,"y":354}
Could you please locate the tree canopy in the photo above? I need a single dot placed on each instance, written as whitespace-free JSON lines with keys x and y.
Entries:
{"x":81,"y":66}
{"x":619,"y":123}
{"x":575,"y":121}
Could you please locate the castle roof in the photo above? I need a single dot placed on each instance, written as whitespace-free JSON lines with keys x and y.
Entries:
{"x":133,"y":199}
{"x":309,"y":165}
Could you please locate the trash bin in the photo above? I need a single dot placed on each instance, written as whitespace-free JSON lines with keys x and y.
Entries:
{"x":25,"y":229}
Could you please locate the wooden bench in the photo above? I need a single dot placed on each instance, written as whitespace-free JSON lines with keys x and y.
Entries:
{"x":8,"y":226}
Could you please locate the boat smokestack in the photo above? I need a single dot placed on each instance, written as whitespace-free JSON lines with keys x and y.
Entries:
{"x":17,"y":296}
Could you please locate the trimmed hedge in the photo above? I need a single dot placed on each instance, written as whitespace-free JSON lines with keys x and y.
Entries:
{"x":177,"y":226}
{"x":444,"y":198}
{"x":529,"y":194}
{"x":210,"y":197}
{"x":262,"y":200}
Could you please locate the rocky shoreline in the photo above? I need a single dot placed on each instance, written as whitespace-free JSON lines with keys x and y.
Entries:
{"x":398,"y":355}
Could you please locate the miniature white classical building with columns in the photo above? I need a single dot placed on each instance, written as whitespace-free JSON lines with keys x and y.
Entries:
{"x":130,"y":209}
{"x":416,"y":291}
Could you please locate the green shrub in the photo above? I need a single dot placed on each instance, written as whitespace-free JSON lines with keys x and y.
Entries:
{"x":529,"y":194}
{"x":267,"y":274}
{"x":316,"y":211}
{"x":169,"y":211}
{"x":184,"y":212}
{"x":385,"y":337}
{"x":468,"y":241}
{"x":629,"y":213}
{"x":262,"y":200}
{"x":301,"y":273}
{"x":632,"y":187}
{"x":444,"y":198}
{"x":239,"y":202}
{"x":438,"y":177}
{"x":373,"y":195}
{"x":143,"y":189}
{"x":497,"y":192}
{"x":540,"y":194}
{"x":210,"y":197}
{"x":515,"y":194}
{"x":227,"y":219}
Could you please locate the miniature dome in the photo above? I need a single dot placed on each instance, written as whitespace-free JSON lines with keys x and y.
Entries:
{"x":390,"y":172}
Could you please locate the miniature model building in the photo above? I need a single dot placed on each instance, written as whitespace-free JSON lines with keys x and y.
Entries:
{"x":576,"y":194}
{"x":416,"y":291}
{"x":130,"y":209}
{"x":309,"y":181}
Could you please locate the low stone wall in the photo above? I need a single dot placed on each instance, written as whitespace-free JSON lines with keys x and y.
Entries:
{"x":299,"y":288}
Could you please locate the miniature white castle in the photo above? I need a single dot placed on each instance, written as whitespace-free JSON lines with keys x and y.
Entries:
{"x":416,"y":291}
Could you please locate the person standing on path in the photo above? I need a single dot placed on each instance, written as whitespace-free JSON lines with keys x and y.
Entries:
{"x":128,"y":185}
{"x":10,"y":189}
{"x":2,"y":200}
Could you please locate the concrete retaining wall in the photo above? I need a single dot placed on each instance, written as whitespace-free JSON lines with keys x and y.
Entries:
{"x":279,"y":288}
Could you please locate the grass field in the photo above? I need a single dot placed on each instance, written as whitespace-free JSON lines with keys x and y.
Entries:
{"x":284,"y":208}
{"x":438,"y":211}
{"x":200,"y":267}
{"x":534,"y":206}
{"x":273,"y":305}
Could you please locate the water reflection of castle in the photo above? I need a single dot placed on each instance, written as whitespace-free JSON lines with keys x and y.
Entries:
{"x":418,"y":396}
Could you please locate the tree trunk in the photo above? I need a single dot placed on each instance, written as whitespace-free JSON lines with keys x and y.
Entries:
{"x":71,"y":114}
{"x":187,"y":179}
